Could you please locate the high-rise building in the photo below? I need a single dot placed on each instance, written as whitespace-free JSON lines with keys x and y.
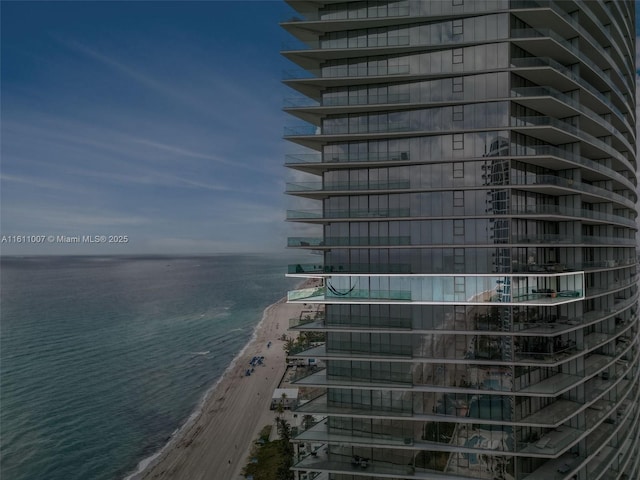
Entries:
{"x":475,"y":188}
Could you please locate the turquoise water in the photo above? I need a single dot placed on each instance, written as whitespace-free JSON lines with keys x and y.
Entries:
{"x":103,"y":358}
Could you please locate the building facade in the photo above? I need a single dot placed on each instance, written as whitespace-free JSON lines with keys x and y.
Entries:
{"x":473,"y":167}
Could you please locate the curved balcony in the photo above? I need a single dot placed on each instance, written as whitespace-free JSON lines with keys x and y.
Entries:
{"x":582,"y":32}
{"x":309,"y":45}
{"x":312,"y":216}
{"x":617,"y":366}
{"x":586,"y":10}
{"x":315,"y":161}
{"x":350,"y":242}
{"x":544,"y":150}
{"x":552,"y":443}
{"x":321,"y":269}
{"x":570,"y":184}
{"x":551,"y":416}
{"x":572,"y":240}
{"x":592,"y":292}
{"x":542,"y":239}
{"x":323,"y":189}
{"x":541,"y":289}
{"x":562,"y":133}
{"x":344,"y":71}
{"x":382,"y":99}
{"x":544,"y":33}
{"x":381,"y":213}
{"x":536,"y":92}
{"x":541,"y":121}
{"x":534,"y":62}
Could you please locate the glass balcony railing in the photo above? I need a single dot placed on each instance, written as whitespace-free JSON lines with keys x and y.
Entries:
{"x":540,"y":150}
{"x":382,"y":99}
{"x":535,"y":289}
{"x":611,"y":287}
{"x":551,"y":92}
{"x":303,"y":187}
{"x":347,"y":241}
{"x":550,"y":62}
{"x":325,"y":294}
{"x":345,"y":157}
{"x":515,"y":239}
{"x":344,"y":71}
{"x":562,"y":382}
{"x":520,"y":33}
{"x":567,"y":267}
{"x":572,"y":239}
{"x":537,"y":121}
{"x":346,"y":186}
{"x":371,"y":213}
{"x":584,"y":34}
{"x":568,"y":183}
{"x":574,"y":212}
{"x":302,"y":130}
{"x":398,"y":9}
{"x":342,"y":44}
{"x":310,"y":215}
{"x":350,"y":268}
{"x":312,"y":130}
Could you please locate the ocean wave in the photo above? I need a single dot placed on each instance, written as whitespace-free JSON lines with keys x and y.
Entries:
{"x":149,"y":461}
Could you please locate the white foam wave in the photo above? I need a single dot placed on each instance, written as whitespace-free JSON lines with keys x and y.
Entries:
{"x":145,"y":463}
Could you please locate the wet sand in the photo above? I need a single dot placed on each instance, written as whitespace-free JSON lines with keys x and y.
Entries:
{"x":216,"y":444}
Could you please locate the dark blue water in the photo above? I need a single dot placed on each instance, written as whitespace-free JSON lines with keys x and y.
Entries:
{"x":101,"y":359}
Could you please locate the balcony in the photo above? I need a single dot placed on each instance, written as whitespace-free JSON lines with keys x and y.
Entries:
{"x":310,"y":45}
{"x":382,"y":99}
{"x":324,"y":294}
{"x":544,"y":180}
{"x":314,"y":162}
{"x":348,"y":242}
{"x":306,"y":215}
{"x":543,"y":34}
{"x":586,"y":215}
{"x":534,"y":93}
{"x":564,"y":133}
{"x":323,"y":189}
{"x":345,"y":71}
{"x":533,"y":62}
{"x":432,"y":289}
{"x":390,"y":268}
{"x":577,"y":240}
{"x":348,"y":465}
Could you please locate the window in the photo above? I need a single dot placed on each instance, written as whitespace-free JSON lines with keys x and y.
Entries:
{"x":458,"y":113}
{"x":458,"y":141}
{"x":458,"y":169}
{"x":458,"y":227}
{"x":458,"y":56}
{"x":457,"y":27}
{"x":458,"y":85}
{"x":458,"y":198}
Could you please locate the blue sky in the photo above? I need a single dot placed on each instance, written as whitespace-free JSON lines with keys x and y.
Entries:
{"x":161,"y":121}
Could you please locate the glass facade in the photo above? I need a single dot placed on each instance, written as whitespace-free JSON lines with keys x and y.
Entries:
{"x":471,"y":172}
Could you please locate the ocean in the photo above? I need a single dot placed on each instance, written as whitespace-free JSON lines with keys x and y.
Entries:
{"x":102,"y":359}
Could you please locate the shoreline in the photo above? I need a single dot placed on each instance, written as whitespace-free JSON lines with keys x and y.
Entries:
{"x":151,"y":460}
{"x":231,"y":408}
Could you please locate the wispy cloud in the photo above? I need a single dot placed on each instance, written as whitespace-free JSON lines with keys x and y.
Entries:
{"x":167,"y":135}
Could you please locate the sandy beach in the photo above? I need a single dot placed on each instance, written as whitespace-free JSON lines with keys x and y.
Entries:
{"x":216,"y":444}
